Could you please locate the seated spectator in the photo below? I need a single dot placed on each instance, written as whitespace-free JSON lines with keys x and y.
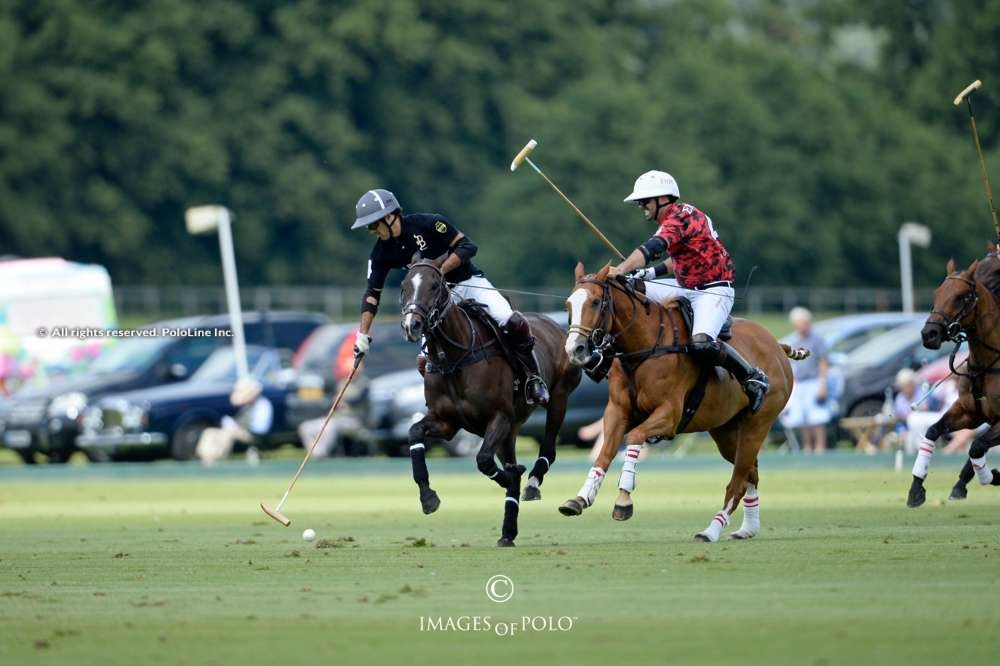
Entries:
{"x":251,"y":424}
{"x":808,"y":408}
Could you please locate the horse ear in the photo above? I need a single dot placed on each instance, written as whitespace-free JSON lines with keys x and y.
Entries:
{"x":991,"y":247}
{"x":951,"y":266}
{"x":415,"y":258}
{"x":602,"y":274}
{"x":439,"y":262}
{"x":579,"y":272}
{"x":972,"y":267}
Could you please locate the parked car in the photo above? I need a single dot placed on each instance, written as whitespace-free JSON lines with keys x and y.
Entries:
{"x":168,"y":420}
{"x":846,"y":333}
{"x":46,"y":419}
{"x":871,"y":368}
{"x":395,"y":401}
{"x":327,"y":356}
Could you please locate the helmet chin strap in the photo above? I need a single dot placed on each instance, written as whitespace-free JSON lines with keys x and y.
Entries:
{"x":659,"y":207}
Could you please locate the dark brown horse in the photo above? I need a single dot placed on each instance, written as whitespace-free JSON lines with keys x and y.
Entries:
{"x":966,"y":308}
{"x":470,"y":384}
{"x":651,"y":382}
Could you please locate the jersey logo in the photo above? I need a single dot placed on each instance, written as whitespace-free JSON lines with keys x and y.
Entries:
{"x":440,"y":227}
{"x":421,"y":243}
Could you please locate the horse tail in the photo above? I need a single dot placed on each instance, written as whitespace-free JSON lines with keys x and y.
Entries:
{"x":795,"y":353}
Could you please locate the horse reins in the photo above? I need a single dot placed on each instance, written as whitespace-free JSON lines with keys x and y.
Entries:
{"x":956,"y":332}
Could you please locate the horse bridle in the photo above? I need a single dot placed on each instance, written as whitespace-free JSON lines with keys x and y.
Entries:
{"x":953,"y":328}
{"x":440,"y":304}
{"x":599,"y":338}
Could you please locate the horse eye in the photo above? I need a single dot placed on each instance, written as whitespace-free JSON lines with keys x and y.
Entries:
{"x":595,"y":302}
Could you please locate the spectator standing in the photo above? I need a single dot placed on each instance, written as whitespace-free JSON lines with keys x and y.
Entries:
{"x":808,"y":408}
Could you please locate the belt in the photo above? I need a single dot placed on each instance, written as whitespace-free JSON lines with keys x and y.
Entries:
{"x":710,"y":285}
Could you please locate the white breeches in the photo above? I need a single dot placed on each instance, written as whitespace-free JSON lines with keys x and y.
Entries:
{"x":711,"y":306}
{"x":480,"y":290}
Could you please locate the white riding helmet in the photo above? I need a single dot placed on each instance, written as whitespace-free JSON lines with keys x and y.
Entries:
{"x":653,"y":184}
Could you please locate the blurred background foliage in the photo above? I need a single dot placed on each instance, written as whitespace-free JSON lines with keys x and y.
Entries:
{"x":808,"y":130}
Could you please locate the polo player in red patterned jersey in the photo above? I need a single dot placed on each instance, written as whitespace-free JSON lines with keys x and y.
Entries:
{"x":703,"y":273}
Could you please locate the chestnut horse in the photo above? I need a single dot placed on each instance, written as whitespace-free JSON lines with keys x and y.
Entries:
{"x":652,"y":378}
{"x":470,"y":384}
{"x":966,"y":308}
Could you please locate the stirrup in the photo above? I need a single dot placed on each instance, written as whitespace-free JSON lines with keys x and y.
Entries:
{"x":535,"y":384}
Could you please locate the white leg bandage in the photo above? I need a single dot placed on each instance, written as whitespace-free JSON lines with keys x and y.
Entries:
{"x":923,"y":461}
{"x":719,"y":522}
{"x":983,"y":473}
{"x":751,"y":514}
{"x":626,"y":481}
{"x":593,"y":483}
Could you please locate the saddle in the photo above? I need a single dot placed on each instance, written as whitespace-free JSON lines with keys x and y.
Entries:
{"x":687,"y":312}
{"x":495,"y":345}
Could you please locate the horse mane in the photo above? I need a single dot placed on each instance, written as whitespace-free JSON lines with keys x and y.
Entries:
{"x":988,"y":274}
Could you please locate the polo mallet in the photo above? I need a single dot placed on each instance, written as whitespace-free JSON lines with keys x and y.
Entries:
{"x":930,"y":391}
{"x":276,"y":511}
{"x":523,"y":157}
{"x":966,"y":95}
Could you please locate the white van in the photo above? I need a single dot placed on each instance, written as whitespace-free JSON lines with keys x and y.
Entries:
{"x":39,"y":300}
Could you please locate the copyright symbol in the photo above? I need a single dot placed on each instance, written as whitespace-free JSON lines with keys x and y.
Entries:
{"x":42,"y":332}
{"x":499,"y":589}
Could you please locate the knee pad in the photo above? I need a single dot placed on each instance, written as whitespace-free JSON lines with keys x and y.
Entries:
{"x":705,"y":347}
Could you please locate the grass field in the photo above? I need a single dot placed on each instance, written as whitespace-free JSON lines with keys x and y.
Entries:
{"x":172,"y":564}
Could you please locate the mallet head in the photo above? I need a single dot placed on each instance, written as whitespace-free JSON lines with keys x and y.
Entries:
{"x":277,"y":515}
{"x":528,"y":147}
{"x":968,"y":89}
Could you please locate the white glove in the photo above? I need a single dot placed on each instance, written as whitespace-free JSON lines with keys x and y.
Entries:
{"x":362,"y":343}
{"x":643,"y":274}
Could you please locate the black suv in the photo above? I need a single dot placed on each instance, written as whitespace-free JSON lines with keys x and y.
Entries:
{"x":47,"y":419}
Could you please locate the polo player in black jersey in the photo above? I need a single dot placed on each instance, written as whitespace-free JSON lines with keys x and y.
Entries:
{"x":432,"y":236}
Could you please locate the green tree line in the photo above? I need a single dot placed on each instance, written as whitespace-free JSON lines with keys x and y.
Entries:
{"x":809,"y":131}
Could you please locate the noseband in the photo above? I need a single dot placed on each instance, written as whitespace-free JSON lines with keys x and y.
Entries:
{"x":440,"y":303}
{"x":599,"y":338}
{"x":953,"y":328}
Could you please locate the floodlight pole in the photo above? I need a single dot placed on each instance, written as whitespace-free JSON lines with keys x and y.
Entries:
{"x":204,"y":219}
{"x":916,"y":234}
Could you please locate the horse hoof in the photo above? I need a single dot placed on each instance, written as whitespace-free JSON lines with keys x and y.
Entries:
{"x":916,"y":497}
{"x":622,"y":512}
{"x":429,"y":501}
{"x":531,"y":493}
{"x":958,"y":493}
{"x":702,"y":537}
{"x":505,"y":542}
{"x":572,"y":507}
{"x":741,"y":535}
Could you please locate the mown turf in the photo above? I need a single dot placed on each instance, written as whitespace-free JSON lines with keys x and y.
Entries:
{"x":188,"y":571}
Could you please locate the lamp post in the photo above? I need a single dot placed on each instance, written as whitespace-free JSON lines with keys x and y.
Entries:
{"x":206,"y":219}
{"x":915,"y":234}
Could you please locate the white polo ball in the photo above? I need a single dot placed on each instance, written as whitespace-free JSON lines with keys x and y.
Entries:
{"x":309,"y":534}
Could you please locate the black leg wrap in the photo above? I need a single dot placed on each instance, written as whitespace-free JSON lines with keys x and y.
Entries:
{"x":511,"y":508}
{"x":539,"y":469}
{"x":966,"y":474}
{"x":979,"y":448}
{"x":934,"y":432}
{"x":419,"y":463}
{"x":487,"y":464}
{"x":996,"y":477}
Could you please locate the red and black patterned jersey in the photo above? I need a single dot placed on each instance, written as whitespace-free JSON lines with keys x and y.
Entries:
{"x":692,"y":242}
